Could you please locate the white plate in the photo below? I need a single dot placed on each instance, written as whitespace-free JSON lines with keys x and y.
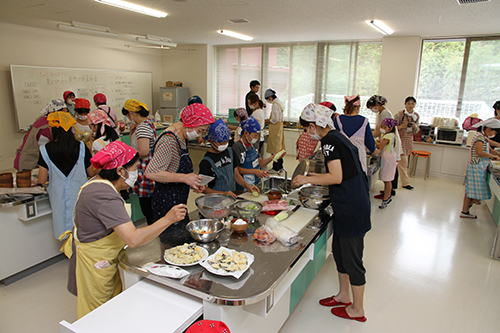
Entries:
{"x":221,"y":272}
{"x":206,"y":179}
{"x":205,"y":256}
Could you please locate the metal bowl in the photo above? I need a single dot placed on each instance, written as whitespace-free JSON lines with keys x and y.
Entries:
{"x":212,"y":228}
{"x":315,"y":197}
{"x":249,"y":214}
{"x":215,"y":205}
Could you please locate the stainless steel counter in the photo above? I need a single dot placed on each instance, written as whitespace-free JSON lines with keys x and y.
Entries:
{"x":13,"y":199}
{"x":272,"y":262}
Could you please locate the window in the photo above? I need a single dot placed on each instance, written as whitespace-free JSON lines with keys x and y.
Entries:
{"x":458,"y":78}
{"x":351,"y":69}
{"x":291,"y":72}
{"x":299,"y":73}
{"x":236,"y":67}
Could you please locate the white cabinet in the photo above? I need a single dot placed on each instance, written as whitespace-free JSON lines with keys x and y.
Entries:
{"x":291,"y":136}
{"x":27,"y":237}
{"x":447,"y":161}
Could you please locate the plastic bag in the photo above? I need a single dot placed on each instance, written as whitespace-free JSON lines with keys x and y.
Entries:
{"x":264,"y":235}
{"x":284,"y":234}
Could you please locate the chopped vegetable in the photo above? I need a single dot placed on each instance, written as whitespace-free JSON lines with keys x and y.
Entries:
{"x":255,"y":193}
{"x":281,"y":216}
{"x":252,"y":206}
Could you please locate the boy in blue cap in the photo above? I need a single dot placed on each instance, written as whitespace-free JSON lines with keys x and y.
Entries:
{"x":219,"y":162}
{"x":250,"y":162}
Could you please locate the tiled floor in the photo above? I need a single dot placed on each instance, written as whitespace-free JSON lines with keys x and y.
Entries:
{"x":427,"y":271}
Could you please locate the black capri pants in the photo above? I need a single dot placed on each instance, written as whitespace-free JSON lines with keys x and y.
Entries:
{"x":348,"y":255}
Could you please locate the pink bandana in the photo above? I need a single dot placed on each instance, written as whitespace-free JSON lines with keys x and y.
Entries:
{"x":195,"y":115}
{"x":100,"y":116}
{"x":113,"y":155}
{"x":355,"y":98}
{"x":213,"y":326}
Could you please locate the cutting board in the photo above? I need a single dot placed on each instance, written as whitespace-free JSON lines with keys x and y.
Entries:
{"x":298,"y":221}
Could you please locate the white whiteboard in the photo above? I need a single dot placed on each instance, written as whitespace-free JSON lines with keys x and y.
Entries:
{"x":34,"y":87}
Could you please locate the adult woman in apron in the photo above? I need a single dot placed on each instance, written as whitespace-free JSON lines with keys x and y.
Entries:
{"x":276,"y":139}
{"x":102,"y":228}
{"x":172,"y":169}
{"x":66,"y":163}
{"x":356,"y":128}
{"x":249,"y":160}
{"x":350,"y":199}
{"x":219,"y":162}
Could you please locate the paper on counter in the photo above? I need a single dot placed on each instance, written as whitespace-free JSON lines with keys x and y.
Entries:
{"x":166,"y":271}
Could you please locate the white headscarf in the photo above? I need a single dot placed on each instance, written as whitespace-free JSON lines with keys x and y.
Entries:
{"x":53,"y":106}
{"x":319,"y":114}
{"x":491,"y":123}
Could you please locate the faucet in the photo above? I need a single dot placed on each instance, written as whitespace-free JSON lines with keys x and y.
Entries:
{"x":286,"y":178}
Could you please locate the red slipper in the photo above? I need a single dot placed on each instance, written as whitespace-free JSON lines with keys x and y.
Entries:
{"x":342,"y":313}
{"x":379,"y":196}
{"x":330,"y":301}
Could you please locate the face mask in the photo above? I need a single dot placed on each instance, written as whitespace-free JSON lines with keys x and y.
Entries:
{"x":222,"y":147}
{"x":315,"y":136}
{"x":81,"y":117}
{"x":70,"y":102}
{"x":374,"y":110}
{"x":191,"y":135}
{"x":383,"y":131}
{"x":252,"y":140}
{"x":252,"y":107}
{"x":132,"y":178}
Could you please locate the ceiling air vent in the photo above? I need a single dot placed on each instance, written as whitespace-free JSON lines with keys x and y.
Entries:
{"x":242,"y":20}
{"x":466,"y":2}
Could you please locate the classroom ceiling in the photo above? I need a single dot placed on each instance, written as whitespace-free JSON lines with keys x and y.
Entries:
{"x":196,"y":21}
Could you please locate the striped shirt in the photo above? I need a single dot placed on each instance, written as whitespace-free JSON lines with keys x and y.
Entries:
{"x":143,"y":130}
{"x":166,"y":156}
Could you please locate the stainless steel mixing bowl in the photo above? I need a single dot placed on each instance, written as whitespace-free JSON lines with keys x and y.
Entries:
{"x":315,"y":197}
{"x":205,"y":230}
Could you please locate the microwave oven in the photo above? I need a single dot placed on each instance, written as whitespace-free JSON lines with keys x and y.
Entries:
{"x":453,"y":136}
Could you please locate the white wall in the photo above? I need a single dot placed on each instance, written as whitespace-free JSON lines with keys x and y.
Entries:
{"x":398,"y":70}
{"x":38,"y":47}
{"x":188,"y":64}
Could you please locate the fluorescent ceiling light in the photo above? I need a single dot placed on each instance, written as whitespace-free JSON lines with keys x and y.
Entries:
{"x":380,"y":27}
{"x":134,"y":7}
{"x":87,"y":29}
{"x":149,"y":47}
{"x":235,"y":35}
{"x":156,"y":40}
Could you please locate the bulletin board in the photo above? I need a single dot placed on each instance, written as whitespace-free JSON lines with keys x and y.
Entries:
{"x":33,"y":87}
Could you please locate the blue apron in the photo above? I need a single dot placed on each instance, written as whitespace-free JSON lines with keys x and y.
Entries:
{"x":167,"y":195}
{"x":351,"y":199}
{"x":251,"y":162}
{"x":224,"y":180}
{"x":63,"y":190}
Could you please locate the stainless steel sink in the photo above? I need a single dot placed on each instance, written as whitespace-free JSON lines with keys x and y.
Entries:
{"x":279,"y":183}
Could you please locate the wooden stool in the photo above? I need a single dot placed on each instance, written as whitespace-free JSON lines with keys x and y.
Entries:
{"x":415,"y":155}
